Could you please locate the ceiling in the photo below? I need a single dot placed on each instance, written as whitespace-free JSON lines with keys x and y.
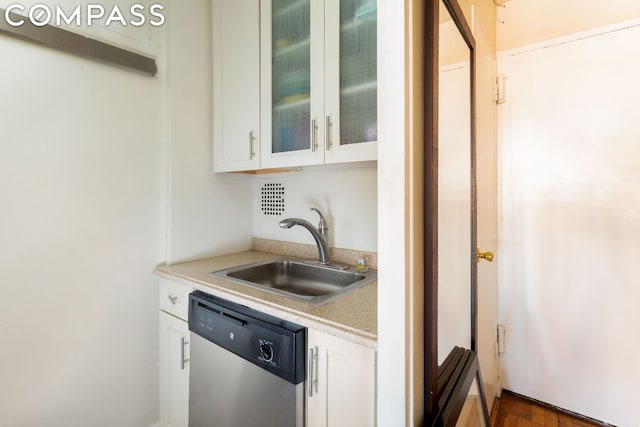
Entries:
{"x":523,"y":22}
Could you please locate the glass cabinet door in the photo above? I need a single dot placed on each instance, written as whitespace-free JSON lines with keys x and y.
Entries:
{"x":351,"y":77}
{"x":319,"y":93}
{"x":291,"y":75}
{"x":358,"y":87}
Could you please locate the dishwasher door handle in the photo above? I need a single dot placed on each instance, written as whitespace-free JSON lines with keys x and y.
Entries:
{"x":222,"y":314}
{"x":234,"y":319}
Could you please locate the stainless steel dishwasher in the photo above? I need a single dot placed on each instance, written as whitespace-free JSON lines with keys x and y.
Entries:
{"x":247,"y":367}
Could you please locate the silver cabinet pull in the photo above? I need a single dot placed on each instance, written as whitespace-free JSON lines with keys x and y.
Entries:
{"x":172,"y":299}
{"x":328,"y":142}
{"x":184,"y":343}
{"x":310,"y":372}
{"x":252,"y":150}
{"x":313,"y":370}
{"x":314,"y":135}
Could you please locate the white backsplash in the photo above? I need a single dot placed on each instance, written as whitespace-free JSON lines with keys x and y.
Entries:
{"x":346,"y":195}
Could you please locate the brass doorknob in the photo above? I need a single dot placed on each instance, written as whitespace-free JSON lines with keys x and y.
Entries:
{"x":487,"y":256}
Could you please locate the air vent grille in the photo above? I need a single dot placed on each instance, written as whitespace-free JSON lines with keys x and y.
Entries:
{"x":272,"y":199}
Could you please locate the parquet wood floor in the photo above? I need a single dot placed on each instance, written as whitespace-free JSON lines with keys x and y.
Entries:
{"x":512,"y":410}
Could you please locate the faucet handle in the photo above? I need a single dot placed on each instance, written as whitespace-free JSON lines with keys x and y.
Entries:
{"x":322,"y":225}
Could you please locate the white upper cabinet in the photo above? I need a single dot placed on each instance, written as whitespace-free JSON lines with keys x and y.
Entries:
{"x":319,"y":87}
{"x":236,"y":85}
{"x":295,"y":83}
{"x":351,"y":80}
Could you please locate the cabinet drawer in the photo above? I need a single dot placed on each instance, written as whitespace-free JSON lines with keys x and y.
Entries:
{"x":174,"y":298}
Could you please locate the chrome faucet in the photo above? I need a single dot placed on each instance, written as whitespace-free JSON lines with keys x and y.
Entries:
{"x":320,"y":234}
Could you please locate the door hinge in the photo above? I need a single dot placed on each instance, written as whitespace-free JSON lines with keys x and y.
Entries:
{"x":498,"y":89}
{"x":500,"y":338}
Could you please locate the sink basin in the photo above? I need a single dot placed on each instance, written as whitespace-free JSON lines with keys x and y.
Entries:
{"x":302,"y":280}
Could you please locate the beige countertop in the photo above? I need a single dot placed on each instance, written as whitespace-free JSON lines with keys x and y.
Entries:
{"x":352,"y":316}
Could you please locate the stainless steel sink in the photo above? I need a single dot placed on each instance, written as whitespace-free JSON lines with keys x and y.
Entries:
{"x":302,"y":280}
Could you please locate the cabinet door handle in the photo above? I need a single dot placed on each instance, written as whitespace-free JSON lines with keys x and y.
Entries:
{"x":314,"y":135}
{"x":329,"y":130}
{"x":172,"y":299}
{"x":313,"y":370}
{"x":184,"y":343}
{"x":252,"y":150}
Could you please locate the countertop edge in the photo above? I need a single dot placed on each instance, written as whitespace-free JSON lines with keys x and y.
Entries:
{"x":339,"y":330}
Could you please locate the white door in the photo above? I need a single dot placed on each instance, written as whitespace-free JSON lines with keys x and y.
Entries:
{"x":174,"y":371}
{"x":487,"y":207}
{"x":570,"y":229}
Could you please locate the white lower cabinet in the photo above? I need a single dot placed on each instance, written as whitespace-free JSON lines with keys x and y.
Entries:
{"x":174,"y":371}
{"x":340,"y":383}
{"x":174,"y":364}
{"x":341,"y":386}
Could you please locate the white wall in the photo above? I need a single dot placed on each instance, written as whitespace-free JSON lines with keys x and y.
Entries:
{"x":210,"y":214}
{"x":346,"y":195}
{"x":522,"y":22}
{"x":81,"y":224}
{"x":569,"y":235}
{"x":395,"y":326}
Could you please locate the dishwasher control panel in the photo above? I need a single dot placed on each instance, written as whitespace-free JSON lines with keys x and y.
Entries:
{"x":267,"y":341}
{"x":267,"y":352}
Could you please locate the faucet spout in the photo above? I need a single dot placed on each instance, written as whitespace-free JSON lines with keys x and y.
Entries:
{"x":321,"y":241}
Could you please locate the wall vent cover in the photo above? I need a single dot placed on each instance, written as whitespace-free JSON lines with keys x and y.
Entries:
{"x":272,"y":198}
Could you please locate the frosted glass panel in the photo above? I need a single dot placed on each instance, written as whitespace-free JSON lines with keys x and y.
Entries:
{"x":358,"y":72}
{"x":290,"y":75}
